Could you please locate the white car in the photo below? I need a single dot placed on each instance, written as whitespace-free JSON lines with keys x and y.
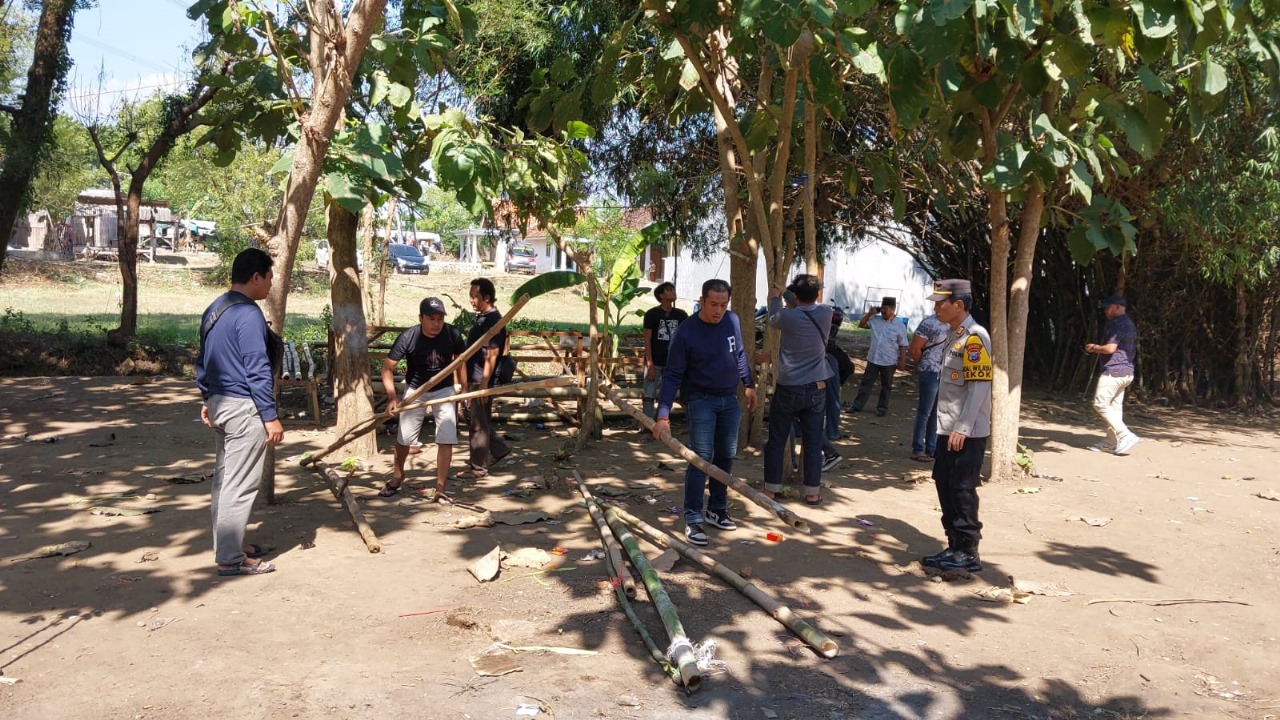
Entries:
{"x":322,"y":257}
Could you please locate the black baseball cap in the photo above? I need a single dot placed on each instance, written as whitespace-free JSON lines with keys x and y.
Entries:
{"x":947,"y":289}
{"x":432,"y":306}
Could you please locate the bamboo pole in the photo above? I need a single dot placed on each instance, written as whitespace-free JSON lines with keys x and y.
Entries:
{"x":655,"y":652}
{"x":825,"y":646}
{"x":339,"y":487}
{"x":621,"y":576}
{"x":372,"y":423}
{"x":681,"y":650}
{"x":493,"y":391}
{"x":736,"y":483}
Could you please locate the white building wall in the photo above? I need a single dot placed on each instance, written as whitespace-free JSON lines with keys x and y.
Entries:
{"x":853,"y":276}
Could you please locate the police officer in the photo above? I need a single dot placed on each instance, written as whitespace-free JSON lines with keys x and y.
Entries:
{"x":964,"y":424}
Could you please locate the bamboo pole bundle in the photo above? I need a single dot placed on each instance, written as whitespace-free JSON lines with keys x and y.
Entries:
{"x":681,"y":650}
{"x":339,"y":487}
{"x":825,"y":646}
{"x":736,"y":483}
{"x":621,"y":576}
{"x":654,"y":651}
{"x":372,"y":423}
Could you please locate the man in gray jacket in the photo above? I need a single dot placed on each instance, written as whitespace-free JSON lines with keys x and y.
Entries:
{"x":800,"y":394}
{"x":964,"y":425}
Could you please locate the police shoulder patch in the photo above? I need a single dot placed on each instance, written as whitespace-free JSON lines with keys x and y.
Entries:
{"x":977,"y":361}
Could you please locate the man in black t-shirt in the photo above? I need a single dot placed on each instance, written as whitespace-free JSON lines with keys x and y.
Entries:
{"x":487,"y":446}
{"x":426,"y":350}
{"x":660,"y":325}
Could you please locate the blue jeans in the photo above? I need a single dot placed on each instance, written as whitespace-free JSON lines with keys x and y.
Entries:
{"x":805,"y":404}
{"x":833,"y":400}
{"x":713,"y":435}
{"x":924,"y":437}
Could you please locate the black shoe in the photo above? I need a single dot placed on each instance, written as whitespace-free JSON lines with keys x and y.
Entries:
{"x":961,"y":560}
{"x":830,"y":461}
{"x":721,"y":519}
{"x":933,"y":560}
{"x":881,"y":412}
{"x":695,"y":533}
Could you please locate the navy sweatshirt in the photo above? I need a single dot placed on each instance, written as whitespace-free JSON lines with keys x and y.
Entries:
{"x":233,"y":359}
{"x":705,"y":358}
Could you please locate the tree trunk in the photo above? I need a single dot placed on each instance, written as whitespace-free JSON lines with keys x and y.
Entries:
{"x":811,"y":264}
{"x":353,"y":391}
{"x":1016,"y":338}
{"x":366,"y":248}
{"x":127,"y":247}
{"x":329,"y":99}
{"x":383,"y":274}
{"x":592,"y":418}
{"x":1004,"y":424}
{"x":1243,"y":389}
{"x":32,"y":123}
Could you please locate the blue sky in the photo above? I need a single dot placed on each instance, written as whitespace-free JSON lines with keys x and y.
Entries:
{"x":141,"y":47}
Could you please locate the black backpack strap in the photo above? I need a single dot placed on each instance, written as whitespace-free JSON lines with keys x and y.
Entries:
{"x":228,"y":301}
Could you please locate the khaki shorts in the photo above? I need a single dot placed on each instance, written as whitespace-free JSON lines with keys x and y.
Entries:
{"x":445,"y":415}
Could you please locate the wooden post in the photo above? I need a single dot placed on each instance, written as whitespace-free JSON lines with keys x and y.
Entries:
{"x":339,"y":487}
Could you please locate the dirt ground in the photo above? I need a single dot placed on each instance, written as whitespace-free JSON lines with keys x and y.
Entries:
{"x":138,"y":626}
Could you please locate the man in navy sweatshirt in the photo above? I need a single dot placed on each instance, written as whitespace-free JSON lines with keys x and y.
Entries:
{"x":707,"y":360}
{"x":234,"y":374}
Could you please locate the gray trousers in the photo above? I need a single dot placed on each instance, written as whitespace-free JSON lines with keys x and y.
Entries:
{"x":241,"y":443}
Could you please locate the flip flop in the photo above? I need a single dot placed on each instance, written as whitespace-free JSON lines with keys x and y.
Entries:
{"x":244,"y":568}
{"x":922,"y":457}
{"x":472,"y":474}
{"x":389,"y":490}
{"x":813,"y":500}
{"x":442,"y":500}
{"x":257,"y":550}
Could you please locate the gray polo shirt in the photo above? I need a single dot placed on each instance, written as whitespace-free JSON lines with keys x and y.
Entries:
{"x":802,"y":357}
{"x":964,"y":388}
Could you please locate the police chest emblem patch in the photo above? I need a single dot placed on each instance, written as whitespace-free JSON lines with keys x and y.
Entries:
{"x":977,"y":362}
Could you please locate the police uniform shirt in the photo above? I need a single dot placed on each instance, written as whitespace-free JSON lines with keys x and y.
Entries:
{"x":964,"y":390}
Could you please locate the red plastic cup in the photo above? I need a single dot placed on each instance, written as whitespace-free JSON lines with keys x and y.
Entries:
{"x":773,"y":537}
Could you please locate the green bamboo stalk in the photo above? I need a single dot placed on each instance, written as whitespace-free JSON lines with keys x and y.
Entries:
{"x":738,"y":484}
{"x":681,"y":649}
{"x":622,"y":576}
{"x":825,"y":646}
{"x":654,"y":651}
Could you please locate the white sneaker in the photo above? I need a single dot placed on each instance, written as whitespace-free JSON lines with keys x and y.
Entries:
{"x":1102,"y":447}
{"x":1124,"y":446}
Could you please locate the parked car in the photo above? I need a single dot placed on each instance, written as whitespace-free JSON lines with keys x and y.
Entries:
{"x":521,"y":257}
{"x":407,"y":259}
{"x":322,"y":257}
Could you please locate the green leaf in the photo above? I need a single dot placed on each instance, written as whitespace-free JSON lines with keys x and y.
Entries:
{"x":947,"y":10}
{"x":852,"y":179}
{"x":1007,"y":173}
{"x":1081,"y":181}
{"x":1213,"y":78}
{"x":1157,"y":18}
{"x":345,"y":192}
{"x":853,"y":9}
{"x":379,"y":86}
{"x":821,"y":12}
{"x":284,"y":164}
{"x":825,"y":89}
{"x":1082,"y":248}
{"x":399,"y":94}
{"x":908,"y":86}
{"x":760,"y":127}
{"x":578,"y":130}
{"x":548,"y":282}
{"x":1066,"y":56}
{"x":783,"y":33}
{"x":1153,"y":82}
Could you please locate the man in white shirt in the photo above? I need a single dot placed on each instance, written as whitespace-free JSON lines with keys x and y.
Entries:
{"x":888,"y":354}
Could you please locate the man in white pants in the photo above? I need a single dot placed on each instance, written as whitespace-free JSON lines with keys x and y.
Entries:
{"x":426,"y":350}
{"x":1119,"y":349}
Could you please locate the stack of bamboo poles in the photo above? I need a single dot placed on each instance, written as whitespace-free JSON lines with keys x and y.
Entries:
{"x":615,"y":527}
